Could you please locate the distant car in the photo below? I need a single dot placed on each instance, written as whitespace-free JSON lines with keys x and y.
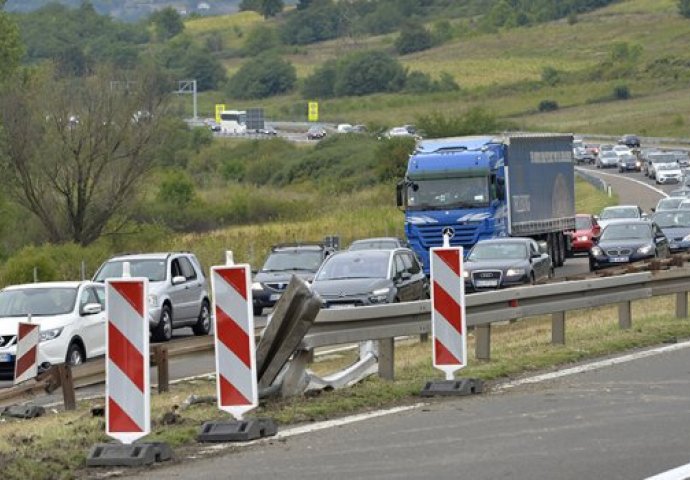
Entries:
{"x":668,"y":173}
{"x":605,"y":147}
{"x":627,"y":241}
{"x":344,"y":128}
{"x":668,"y":204}
{"x":592,"y":150}
{"x":582,"y":153}
{"x":71,"y":318}
{"x":504,"y":262}
{"x":284,"y":261}
{"x":586,"y":230}
{"x":178,"y":290}
{"x":379,"y":243}
{"x":370,"y":277}
{"x":268,"y":131}
{"x":404,"y":131}
{"x":683,"y":192}
{"x":620,"y":212}
{"x":607,"y":159}
{"x":676,"y":226}
{"x":213,"y":125}
{"x":316,"y":133}
{"x":653,"y":158}
{"x":359,"y":129}
{"x":627,"y":163}
{"x":683,"y":158}
{"x":632,"y":141}
{"x":684,"y":204}
{"x":622,"y":150}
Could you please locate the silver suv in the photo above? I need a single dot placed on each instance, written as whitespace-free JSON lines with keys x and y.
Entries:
{"x":178,"y":290}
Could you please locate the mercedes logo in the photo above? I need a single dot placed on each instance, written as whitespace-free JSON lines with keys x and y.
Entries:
{"x":341,"y":294}
{"x":450,"y":231}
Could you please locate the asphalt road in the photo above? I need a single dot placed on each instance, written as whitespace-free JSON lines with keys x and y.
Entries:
{"x":629,"y":191}
{"x":627,"y":421}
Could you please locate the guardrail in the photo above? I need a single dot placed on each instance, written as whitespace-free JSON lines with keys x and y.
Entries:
{"x":386,"y":322}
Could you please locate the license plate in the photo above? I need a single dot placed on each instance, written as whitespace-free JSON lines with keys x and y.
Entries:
{"x":486,"y":283}
{"x":6,"y":357}
{"x":275,"y":297}
{"x":342,"y":305}
{"x":619,"y":259}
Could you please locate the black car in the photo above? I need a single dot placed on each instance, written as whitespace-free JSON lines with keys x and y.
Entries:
{"x":504,"y":262}
{"x":628,"y":162}
{"x":632,"y":141}
{"x":354,"y":278}
{"x":284,"y":261}
{"x":624,"y":241}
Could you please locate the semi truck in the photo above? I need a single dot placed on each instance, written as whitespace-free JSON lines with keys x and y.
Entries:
{"x":475,"y":188}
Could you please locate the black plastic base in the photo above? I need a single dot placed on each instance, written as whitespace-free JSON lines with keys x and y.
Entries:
{"x":134,"y":455}
{"x":237,"y":431}
{"x":23,"y":411}
{"x":453,"y":388}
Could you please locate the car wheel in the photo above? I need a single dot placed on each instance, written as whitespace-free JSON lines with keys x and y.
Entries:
{"x":163,"y":331}
{"x":258,"y":311}
{"x":75,"y":355}
{"x":203,"y":323}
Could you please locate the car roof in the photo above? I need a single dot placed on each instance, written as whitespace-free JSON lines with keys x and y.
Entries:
{"x":611,"y":207}
{"x":146,"y":256}
{"x":67,"y":284}
{"x":378,"y":239}
{"x":505,"y":240}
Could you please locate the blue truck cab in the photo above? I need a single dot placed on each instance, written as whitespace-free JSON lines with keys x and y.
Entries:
{"x":461,"y":187}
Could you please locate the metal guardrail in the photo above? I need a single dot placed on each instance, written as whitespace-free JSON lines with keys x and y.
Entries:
{"x":384,"y":323}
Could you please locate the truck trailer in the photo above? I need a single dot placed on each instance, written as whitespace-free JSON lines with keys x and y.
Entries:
{"x":475,"y":188}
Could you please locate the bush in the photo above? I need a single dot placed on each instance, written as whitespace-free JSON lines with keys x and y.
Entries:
{"x":548,"y":105}
{"x":264,"y":76}
{"x":684,"y":8}
{"x":20,"y":268}
{"x":260,"y":39}
{"x":391,"y":157}
{"x":550,"y":76}
{"x":176,"y":189}
{"x":321,"y":83}
{"x":413,"y":38}
{"x":363,"y":73}
{"x":621,"y":92}
{"x":474,"y":121}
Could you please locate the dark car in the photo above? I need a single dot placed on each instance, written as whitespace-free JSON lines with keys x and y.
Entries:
{"x":378,"y":243}
{"x":369,"y":277}
{"x":632,"y":141}
{"x":676,"y":226}
{"x":268,"y":131}
{"x":504,"y":262}
{"x":625,"y":241}
{"x":283,"y":262}
{"x":316,"y":133}
{"x":628,"y":163}
{"x":586,"y":230}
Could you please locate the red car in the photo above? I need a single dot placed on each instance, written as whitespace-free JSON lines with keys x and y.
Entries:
{"x":586,"y":227}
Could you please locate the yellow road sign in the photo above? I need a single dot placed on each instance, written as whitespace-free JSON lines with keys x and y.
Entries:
{"x":219,"y":108}
{"x":313,"y":111}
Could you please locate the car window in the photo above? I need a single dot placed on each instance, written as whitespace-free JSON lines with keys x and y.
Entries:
{"x":87,"y":296}
{"x":414,"y":268}
{"x":175,"y":269}
{"x":399,"y":265}
{"x":533,"y":247}
{"x":407,"y":262}
{"x":187,"y":269}
{"x":100,"y":293}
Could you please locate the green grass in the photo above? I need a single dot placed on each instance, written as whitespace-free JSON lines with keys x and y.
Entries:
{"x":591,"y":200}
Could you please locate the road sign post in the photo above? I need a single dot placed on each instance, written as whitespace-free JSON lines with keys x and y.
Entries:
{"x":236,"y":379}
{"x":127,"y":384}
{"x":26,"y":364}
{"x":448,"y":326}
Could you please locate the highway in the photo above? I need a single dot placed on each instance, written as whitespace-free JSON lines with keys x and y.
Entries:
{"x":625,"y":421}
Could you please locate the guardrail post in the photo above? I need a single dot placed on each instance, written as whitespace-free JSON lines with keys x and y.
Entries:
{"x":67,"y":383}
{"x":682,"y":305}
{"x":625,"y":315}
{"x":160,"y":357}
{"x":482,"y":342}
{"x":558,"y":328}
{"x":387,"y":358}
{"x":424,"y":337}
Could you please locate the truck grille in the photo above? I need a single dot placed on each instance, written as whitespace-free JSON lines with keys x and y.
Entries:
{"x":614,"y":252}
{"x":431,"y":236}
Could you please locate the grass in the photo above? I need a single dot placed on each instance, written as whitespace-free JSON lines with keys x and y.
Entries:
{"x":54,"y":446}
{"x":590,"y":200}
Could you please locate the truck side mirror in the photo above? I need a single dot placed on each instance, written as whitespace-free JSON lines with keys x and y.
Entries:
{"x":399,"y":200}
{"x":500,"y":189}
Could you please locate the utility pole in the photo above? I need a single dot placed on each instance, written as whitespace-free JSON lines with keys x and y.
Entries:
{"x":187,"y":87}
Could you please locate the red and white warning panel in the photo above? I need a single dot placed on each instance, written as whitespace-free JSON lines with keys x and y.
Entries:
{"x":235,"y":349}
{"x":448,"y":310}
{"x":128,"y":393}
{"x":26,"y":366}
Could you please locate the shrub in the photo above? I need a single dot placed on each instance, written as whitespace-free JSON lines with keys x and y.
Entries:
{"x":20,"y":267}
{"x":391,"y":157}
{"x":474,"y":121}
{"x":176,"y":189}
{"x":261,"y":77}
{"x":363,"y":73}
{"x":621,"y":92}
{"x":550,"y":76}
{"x":413,"y":38}
{"x":684,"y":8}
{"x":548,"y":105}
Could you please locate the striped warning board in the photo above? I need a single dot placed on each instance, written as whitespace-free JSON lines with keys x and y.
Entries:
{"x":128,"y":396}
{"x":235,"y":349}
{"x":448,"y":310}
{"x":26,"y":366}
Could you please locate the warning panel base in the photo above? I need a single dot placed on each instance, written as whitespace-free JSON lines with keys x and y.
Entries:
{"x":237,"y":431}
{"x":133,"y":455}
{"x":453,"y":388}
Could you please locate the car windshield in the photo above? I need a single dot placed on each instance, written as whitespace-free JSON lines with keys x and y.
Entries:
{"x":621,"y":148}
{"x":609,"y":153}
{"x":498,"y":251}
{"x":374,"y":245}
{"x":668,"y":203}
{"x":364,"y":264}
{"x":583,"y":223}
{"x":661,"y":158}
{"x":627,"y":231}
{"x":308,"y":260}
{"x":37,"y":301}
{"x":153,"y":269}
{"x":673,"y":219}
{"x":619,"y":212}
{"x":446,"y":193}
{"x":628,"y":158}
{"x":667,"y":166}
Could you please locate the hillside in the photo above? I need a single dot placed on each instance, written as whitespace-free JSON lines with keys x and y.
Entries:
{"x":502,"y":72}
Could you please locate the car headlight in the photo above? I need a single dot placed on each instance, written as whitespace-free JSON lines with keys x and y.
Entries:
{"x":257,"y":286}
{"x":515,"y":272}
{"x":686,"y":238}
{"x":638,"y":164}
{"x":380,"y":295}
{"x":153,"y":300}
{"x":597,"y":251}
{"x":51,"y":334}
{"x":646,"y":250}
{"x":465,"y":274}
{"x":582,"y":238}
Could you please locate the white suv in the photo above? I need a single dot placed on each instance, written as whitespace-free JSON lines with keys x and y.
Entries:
{"x":178,"y":290}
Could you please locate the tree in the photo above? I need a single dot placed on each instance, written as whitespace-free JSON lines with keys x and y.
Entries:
{"x":260,"y":39}
{"x":321,"y":83}
{"x":263,"y":76}
{"x":74,"y":152}
{"x":167,"y":22}
{"x":364,"y":73}
{"x":684,"y":8}
{"x":413,"y":38}
{"x":271,"y":8}
{"x":10,"y":45}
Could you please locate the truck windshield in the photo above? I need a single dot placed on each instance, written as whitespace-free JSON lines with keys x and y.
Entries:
{"x":446,"y":193}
